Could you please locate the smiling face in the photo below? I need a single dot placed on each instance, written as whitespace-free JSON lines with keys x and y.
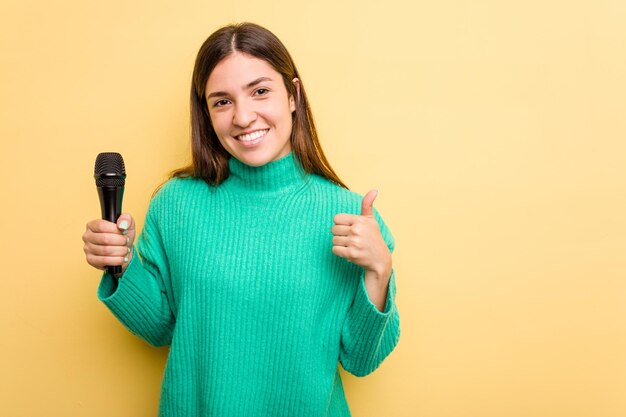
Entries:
{"x":250,"y":109}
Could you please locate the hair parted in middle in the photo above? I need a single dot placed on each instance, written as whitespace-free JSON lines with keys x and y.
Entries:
{"x":209,"y":158}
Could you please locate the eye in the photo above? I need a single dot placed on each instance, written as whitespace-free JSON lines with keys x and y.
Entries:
{"x":261,"y":92}
{"x":220,"y":103}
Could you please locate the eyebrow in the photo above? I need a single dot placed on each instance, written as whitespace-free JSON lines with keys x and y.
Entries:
{"x":249,"y":85}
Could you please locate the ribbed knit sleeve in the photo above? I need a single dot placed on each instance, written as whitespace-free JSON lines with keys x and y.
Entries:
{"x":369,"y":335}
{"x":140,"y":300}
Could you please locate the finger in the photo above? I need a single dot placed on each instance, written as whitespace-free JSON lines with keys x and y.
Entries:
{"x":102,"y":226}
{"x":341,"y":241}
{"x":339,"y":230}
{"x":100,"y":250}
{"x":367,"y":206}
{"x":341,"y":251}
{"x":345,"y":219}
{"x":102,"y":261}
{"x":105,"y":239}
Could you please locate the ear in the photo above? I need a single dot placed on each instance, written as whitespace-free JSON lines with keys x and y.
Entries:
{"x":292,"y":101}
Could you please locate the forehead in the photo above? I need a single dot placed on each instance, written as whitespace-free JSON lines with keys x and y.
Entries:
{"x":237,"y":70}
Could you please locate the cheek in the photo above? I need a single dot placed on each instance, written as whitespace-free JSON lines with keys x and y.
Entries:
{"x":283,"y":114}
{"x":219,"y":123}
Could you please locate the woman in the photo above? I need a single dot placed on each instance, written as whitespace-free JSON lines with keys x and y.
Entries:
{"x":258,"y":266}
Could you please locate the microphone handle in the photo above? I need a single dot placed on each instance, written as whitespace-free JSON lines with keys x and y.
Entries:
{"x":111,"y":208}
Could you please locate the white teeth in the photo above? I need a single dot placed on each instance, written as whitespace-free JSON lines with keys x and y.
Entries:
{"x":252,"y":136}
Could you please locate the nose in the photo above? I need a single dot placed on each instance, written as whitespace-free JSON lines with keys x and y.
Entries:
{"x":244,"y":115}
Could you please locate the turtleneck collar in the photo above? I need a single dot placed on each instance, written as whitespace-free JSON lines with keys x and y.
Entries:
{"x":284,"y":174}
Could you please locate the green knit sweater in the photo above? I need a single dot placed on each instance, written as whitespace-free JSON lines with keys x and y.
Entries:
{"x":241,"y":282}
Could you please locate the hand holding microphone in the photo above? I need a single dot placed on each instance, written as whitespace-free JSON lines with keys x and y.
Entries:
{"x":109,"y":244}
{"x":109,"y":241}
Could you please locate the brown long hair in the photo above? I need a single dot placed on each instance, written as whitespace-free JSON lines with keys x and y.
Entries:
{"x":209,"y":158}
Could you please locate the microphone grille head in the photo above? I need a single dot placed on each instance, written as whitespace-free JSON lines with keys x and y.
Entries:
{"x":109,"y":170}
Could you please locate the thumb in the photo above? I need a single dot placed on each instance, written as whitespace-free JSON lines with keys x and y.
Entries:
{"x":125,"y":223}
{"x":367,"y":207}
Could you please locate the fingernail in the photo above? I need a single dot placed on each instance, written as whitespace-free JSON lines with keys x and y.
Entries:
{"x":127,"y":240}
{"x":125,"y":259}
{"x":128,"y":250}
{"x":123,"y":225}
{"x":124,"y":232}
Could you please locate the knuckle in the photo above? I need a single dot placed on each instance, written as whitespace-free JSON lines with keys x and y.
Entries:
{"x":92,"y":226}
{"x":106,"y":240}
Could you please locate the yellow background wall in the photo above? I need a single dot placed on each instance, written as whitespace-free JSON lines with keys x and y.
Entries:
{"x":494,"y":130}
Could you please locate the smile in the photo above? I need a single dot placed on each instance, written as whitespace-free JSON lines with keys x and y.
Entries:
{"x":252,"y":136}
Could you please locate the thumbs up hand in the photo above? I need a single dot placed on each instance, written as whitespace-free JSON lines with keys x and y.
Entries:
{"x":357,"y":238}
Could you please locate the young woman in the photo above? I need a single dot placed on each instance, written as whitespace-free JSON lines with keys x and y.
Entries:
{"x":258,"y":266}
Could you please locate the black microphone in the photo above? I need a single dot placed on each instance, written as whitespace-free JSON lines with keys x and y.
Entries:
{"x":110,"y":176}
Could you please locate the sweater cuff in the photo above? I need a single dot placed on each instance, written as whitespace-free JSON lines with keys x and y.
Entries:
{"x":367,"y":307}
{"x":109,"y":285}
{"x":137,"y":301}
{"x":365,"y":316}
{"x":369,"y":335}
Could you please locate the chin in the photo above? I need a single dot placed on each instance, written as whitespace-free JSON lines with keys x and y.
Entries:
{"x":255,"y":160}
